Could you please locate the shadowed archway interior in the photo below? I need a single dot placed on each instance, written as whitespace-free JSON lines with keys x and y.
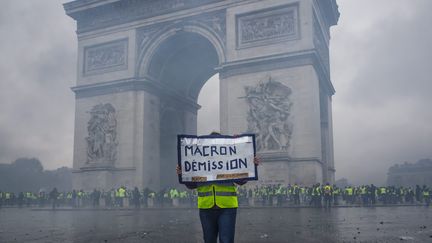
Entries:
{"x":182,"y":63}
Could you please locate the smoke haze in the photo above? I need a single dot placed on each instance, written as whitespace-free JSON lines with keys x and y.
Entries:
{"x":380,"y":63}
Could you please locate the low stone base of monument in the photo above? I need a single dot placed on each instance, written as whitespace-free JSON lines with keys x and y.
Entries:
{"x":275,"y":200}
{"x":150,"y":202}
{"x":251,"y":201}
{"x":80,"y":202}
{"x":175,"y":202}
{"x":305,"y":172}
{"x":89,"y":178}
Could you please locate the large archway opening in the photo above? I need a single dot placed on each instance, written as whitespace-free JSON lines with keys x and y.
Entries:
{"x":181,"y":65}
{"x":208,"y":118}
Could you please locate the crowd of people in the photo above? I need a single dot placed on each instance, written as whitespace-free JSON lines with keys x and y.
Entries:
{"x":330,"y":195}
{"x":264,"y":195}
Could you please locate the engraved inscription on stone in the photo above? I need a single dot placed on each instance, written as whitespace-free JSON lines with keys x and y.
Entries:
{"x":106,"y":57}
{"x":269,"y":114}
{"x":102,"y":135}
{"x":268,"y":26}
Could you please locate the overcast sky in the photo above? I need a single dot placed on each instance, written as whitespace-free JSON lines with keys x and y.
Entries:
{"x":381,"y":69}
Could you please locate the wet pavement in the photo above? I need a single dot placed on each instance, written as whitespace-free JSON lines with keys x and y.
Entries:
{"x":345,"y":224}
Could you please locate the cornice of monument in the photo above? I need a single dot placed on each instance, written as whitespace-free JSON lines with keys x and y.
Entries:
{"x":286,"y":60}
{"x":98,"y":14}
{"x":80,"y":5}
{"x":134,"y":84}
{"x":330,"y":11}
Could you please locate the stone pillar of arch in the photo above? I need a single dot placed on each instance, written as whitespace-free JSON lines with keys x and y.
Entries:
{"x":142,"y":64}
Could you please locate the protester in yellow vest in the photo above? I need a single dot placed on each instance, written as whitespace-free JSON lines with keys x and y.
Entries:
{"x":426,"y":195}
{"x":217,"y":203}
{"x":328,"y":195}
{"x":121,"y":193}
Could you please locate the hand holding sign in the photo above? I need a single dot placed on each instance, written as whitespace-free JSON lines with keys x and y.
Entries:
{"x":257,"y":160}
{"x":178,"y":170}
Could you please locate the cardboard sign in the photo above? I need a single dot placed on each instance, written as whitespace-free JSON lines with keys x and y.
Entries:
{"x":216,"y":158}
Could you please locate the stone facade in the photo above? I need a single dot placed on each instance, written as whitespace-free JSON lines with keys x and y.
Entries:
{"x":411,"y":174}
{"x":142,"y":64}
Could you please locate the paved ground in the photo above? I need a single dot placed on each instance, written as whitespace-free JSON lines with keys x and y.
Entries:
{"x":381,"y":224}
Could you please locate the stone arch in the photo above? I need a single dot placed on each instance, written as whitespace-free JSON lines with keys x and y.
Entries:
{"x":179,"y":58}
{"x":149,"y":49}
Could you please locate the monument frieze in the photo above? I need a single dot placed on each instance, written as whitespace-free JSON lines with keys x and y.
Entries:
{"x":106,"y":57}
{"x":267,"y":26}
{"x":129,"y":10}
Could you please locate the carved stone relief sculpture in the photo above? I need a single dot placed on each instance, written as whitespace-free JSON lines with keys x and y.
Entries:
{"x":269,"y":114}
{"x":128,"y":10}
{"x":102,"y":135}
{"x":267,"y":26}
{"x":106,"y":57}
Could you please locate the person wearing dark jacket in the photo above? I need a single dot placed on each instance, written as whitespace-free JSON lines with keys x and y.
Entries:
{"x":53,"y":195}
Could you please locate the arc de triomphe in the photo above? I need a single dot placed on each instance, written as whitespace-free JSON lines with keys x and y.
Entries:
{"x":142,"y":64}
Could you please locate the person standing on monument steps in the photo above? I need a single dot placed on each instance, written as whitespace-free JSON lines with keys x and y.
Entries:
{"x":217,"y":203}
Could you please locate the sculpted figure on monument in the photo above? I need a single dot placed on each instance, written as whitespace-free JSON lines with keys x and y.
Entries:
{"x":269,"y":113}
{"x":101,"y":140}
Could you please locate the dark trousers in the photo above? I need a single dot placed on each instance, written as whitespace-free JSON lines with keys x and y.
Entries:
{"x":220,"y":222}
{"x":327,"y":201}
{"x":296,"y":199}
{"x":54,"y":202}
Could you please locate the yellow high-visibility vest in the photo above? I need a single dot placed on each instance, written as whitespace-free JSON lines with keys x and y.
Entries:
{"x":174,"y":193}
{"x":122,"y":192}
{"x":221,"y":195}
{"x":327,"y":189}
